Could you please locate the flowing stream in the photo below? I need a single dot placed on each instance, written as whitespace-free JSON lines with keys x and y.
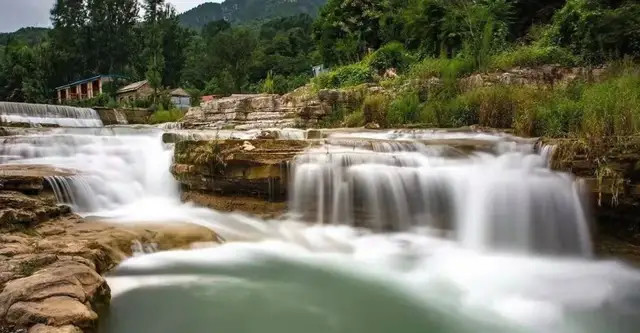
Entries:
{"x":405,"y":233}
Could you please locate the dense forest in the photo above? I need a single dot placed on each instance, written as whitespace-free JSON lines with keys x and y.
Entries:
{"x":358,"y":39}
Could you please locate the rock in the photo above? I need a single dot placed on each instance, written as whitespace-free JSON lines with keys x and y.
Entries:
{"x":253,"y":168}
{"x":247,"y":146}
{"x":302,"y":107}
{"x":372,"y":126}
{"x":57,"y":295}
{"x":19,"y":210}
{"x":236,"y":203}
{"x":40,"y":328}
{"x":314,"y":134}
{"x":57,"y":311}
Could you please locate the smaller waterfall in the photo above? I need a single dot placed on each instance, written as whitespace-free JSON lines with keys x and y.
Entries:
{"x":43,"y":114}
{"x":505,"y":200}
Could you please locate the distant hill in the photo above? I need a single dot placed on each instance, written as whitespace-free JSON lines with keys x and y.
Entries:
{"x":31,"y":36}
{"x":243,"y":11}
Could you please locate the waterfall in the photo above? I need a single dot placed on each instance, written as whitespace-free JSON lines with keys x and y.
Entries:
{"x":113,"y":170}
{"x":42,"y":114}
{"x":413,"y":232}
{"x":506,"y":200}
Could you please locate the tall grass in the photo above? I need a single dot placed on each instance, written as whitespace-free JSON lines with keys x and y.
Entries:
{"x":374,"y":109}
{"x":531,"y":56}
{"x":405,"y":109}
{"x":166,"y":116}
{"x":592,"y":110}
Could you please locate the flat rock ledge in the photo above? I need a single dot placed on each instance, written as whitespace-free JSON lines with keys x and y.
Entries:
{"x":52,"y":261}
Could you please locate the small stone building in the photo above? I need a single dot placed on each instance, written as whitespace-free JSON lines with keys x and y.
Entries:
{"x":135,"y":91}
{"x":180,"y":98}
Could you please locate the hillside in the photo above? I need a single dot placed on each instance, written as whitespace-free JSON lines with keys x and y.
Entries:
{"x":30,"y":36}
{"x":242,"y":11}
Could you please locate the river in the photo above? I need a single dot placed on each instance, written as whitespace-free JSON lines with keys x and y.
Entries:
{"x":402,"y":237}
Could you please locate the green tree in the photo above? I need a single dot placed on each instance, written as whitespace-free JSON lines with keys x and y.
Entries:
{"x":195,"y":72}
{"x":70,"y":38}
{"x":346,"y":29}
{"x":110,"y":28}
{"x":155,"y":58}
{"x":231,"y":56}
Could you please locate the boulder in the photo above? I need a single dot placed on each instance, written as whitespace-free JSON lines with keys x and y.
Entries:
{"x":40,"y":328}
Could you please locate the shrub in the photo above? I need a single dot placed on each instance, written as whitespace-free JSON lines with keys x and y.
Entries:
{"x":392,"y":55}
{"x":533,"y":55}
{"x":344,"y":76}
{"x":596,"y":30}
{"x":559,"y":117}
{"x":374,"y":109}
{"x":612,"y":107}
{"x":455,"y":112}
{"x":441,"y":67}
{"x":354,"y":119}
{"x":335,"y":118}
{"x":496,"y":106}
{"x":404,"y":110}
{"x":168,"y":116}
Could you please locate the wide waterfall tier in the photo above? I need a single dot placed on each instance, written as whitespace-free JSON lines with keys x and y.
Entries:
{"x":506,"y":198}
{"x":43,"y":114}
{"x":113,"y":170}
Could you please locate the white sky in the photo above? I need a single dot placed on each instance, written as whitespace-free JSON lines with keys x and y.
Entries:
{"x":16,"y":14}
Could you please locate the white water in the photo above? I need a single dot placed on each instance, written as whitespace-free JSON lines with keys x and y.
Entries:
{"x":41,"y":114}
{"x":453,"y":243}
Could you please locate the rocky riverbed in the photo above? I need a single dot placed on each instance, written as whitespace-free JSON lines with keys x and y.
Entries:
{"x":53,"y":262}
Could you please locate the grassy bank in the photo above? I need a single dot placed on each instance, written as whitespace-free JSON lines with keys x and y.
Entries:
{"x":584,"y":107}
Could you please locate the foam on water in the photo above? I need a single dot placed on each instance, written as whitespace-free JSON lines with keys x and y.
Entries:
{"x":408,"y":237}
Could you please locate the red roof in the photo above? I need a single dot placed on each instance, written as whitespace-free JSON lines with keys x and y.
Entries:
{"x":209,"y":98}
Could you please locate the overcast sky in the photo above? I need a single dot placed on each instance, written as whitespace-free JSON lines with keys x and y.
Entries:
{"x":15,"y":14}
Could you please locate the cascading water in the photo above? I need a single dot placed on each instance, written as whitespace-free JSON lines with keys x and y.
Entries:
{"x":511,"y":201}
{"x":41,"y":114}
{"x":413,"y":236}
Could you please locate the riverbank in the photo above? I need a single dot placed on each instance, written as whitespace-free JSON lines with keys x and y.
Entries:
{"x":53,"y":262}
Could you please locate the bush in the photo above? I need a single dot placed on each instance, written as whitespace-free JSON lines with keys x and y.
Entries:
{"x":168,"y":116}
{"x":374,"y":109}
{"x":404,"y":110}
{"x":345,"y":76}
{"x":456,"y":112}
{"x":354,"y":119}
{"x":441,"y":67}
{"x":597,"y":31}
{"x":533,"y":55}
{"x":392,"y":55}
{"x":612,"y":107}
{"x":560,"y":117}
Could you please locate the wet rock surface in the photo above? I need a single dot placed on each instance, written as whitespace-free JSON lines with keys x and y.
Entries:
{"x":52,"y":261}
{"x":253,"y":168}
{"x":30,"y":179}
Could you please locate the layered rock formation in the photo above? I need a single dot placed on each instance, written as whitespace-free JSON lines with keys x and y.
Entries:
{"x":300,"y":108}
{"x":52,"y":261}
{"x":610,"y":168}
{"x":236,"y":168}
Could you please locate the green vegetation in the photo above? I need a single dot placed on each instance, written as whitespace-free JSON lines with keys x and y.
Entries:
{"x":246,"y":11}
{"x":166,"y":116}
{"x":418,"y":50}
